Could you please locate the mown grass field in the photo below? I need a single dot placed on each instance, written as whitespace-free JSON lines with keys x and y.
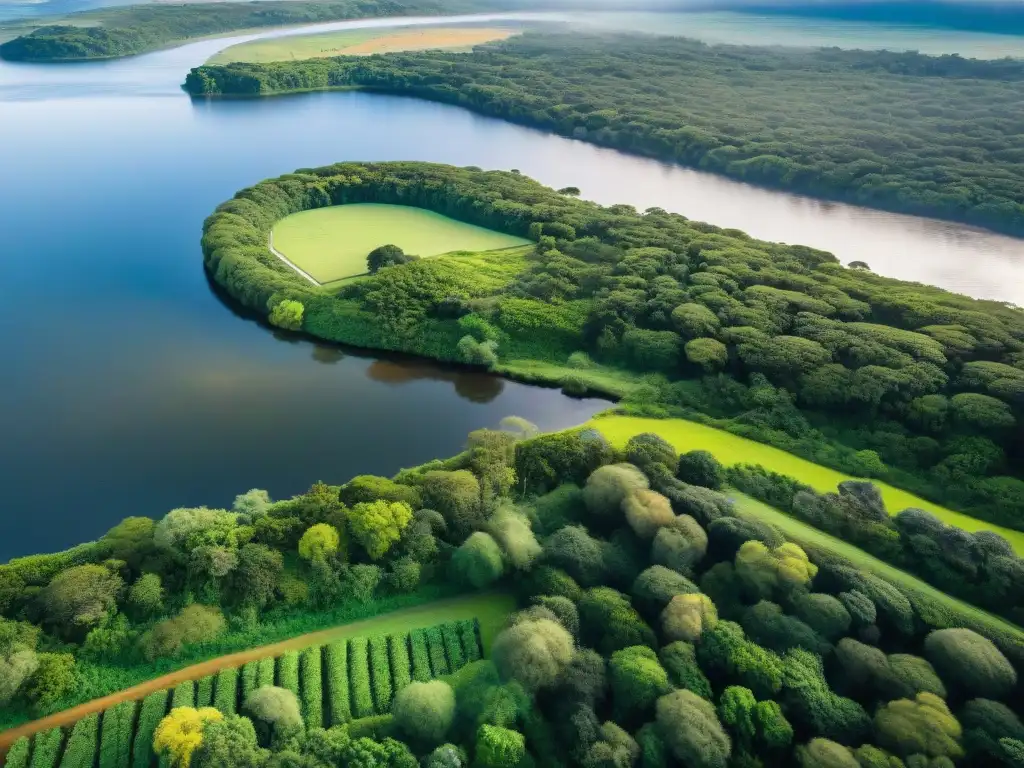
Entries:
{"x":732,"y":449}
{"x":359,"y":42}
{"x":333,"y":243}
{"x":812,"y":538}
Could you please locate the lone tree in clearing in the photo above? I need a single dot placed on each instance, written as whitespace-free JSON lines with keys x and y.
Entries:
{"x":386,"y":256}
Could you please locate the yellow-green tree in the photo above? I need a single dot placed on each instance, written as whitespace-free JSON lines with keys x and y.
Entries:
{"x":181,"y":732}
{"x":319,"y":541}
{"x":379,"y":524}
{"x":288,"y":315}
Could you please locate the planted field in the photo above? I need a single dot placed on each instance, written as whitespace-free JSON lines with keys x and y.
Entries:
{"x":359,"y":42}
{"x":733,"y":449}
{"x":362,"y":668}
{"x":333,"y":243}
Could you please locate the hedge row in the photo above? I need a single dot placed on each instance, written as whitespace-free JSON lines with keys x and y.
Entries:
{"x":204,"y":691}
{"x":380,"y":673}
{"x":80,"y":751}
{"x":184,"y":695}
{"x":359,"y":677}
{"x":225,"y":696}
{"x":311,"y":679}
{"x":154,"y":707}
{"x":435,"y":647}
{"x":420,"y":657}
{"x":453,"y":646}
{"x":17,"y":755}
{"x":116,"y":735}
{"x":46,"y":748}
{"x":265,"y":673}
{"x":288,"y":671}
{"x":472,"y":649}
{"x":250,"y":682}
{"x":401,"y":669}
{"x":337,"y":683}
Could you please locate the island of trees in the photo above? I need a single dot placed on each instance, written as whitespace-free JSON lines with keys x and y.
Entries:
{"x":654,"y":626}
{"x":936,"y":136}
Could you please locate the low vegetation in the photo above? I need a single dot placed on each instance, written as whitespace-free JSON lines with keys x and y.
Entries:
{"x":658,"y":625}
{"x":899,"y":131}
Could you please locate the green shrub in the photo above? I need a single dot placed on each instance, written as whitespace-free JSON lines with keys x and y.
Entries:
{"x":250,"y":675}
{"x":435,"y":647}
{"x":46,"y":748}
{"x":453,"y":646}
{"x":17,"y":755}
{"x":265,"y":672}
{"x":337,"y":683}
{"x":380,"y":673}
{"x":470,"y":641}
{"x":420,"y":656}
{"x":204,"y":691}
{"x":311,"y":681}
{"x":499,"y":747}
{"x":116,"y":736}
{"x":226,"y":691}
{"x":288,"y":671}
{"x":424,"y":711}
{"x":401,"y":667}
{"x":80,"y":751}
{"x":152,"y":711}
{"x":184,"y":695}
{"x":359,"y":670}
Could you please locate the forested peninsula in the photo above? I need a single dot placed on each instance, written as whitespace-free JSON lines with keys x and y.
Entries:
{"x":863,"y":373}
{"x":114,"y":32}
{"x":934,"y":136}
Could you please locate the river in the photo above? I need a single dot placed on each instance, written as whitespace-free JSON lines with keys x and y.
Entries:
{"x":131,"y":388}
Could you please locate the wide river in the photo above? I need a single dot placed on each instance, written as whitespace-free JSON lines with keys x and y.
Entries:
{"x":130,"y":388}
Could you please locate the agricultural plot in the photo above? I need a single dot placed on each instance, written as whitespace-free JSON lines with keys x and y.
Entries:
{"x":362,"y":675}
{"x":733,"y":449}
{"x":332,"y":243}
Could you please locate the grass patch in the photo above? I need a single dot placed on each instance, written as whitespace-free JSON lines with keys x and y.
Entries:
{"x":359,"y":42}
{"x":812,"y":538}
{"x":332,"y":243}
{"x":733,"y":449}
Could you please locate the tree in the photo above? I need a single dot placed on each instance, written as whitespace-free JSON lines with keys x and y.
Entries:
{"x":690,"y":727}
{"x":386,"y":256}
{"x":319,"y":541}
{"x":513,"y":532}
{"x":287,"y":314}
{"x":16,"y":666}
{"x":710,"y":354}
{"x":534,"y":653}
{"x":584,"y":680}
{"x":649,"y":451}
{"x":80,"y":598}
{"x":680,"y":545}
{"x":563,"y":609}
{"x":146,"y":596}
{"x":379,"y":524}
{"x":275,"y":714}
{"x":229,"y":743}
{"x":447,"y":756}
{"x":725,"y":654}
{"x":499,"y":747}
{"x":456,"y":495}
{"x":615,"y":748}
{"x":971,"y":662}
{"x":424,"y":711}
{"x":825,"y":614}
{"x":477,"y":561}
{"x":700,"y":468}
{"x":767,"y":625}
{"x":367,"y":753}
{"x":736,"y":710}
{"x":55,"y":676}
{"x":822,"y":753}
{"x":680,"y":662}
{"x":180,"y":733}
{"x":764,"y":571}
{"x":194,"y":624}
{"x":253,"y":503}
{"x":256,"y":578}
{"x":580,"y":555}
{"x":985,"y":722}
{"x":687,"y":616}
{"x":922,"y":726}
{"x":813,"y":705}
{"x":637,"y":680}
{"x":609,"y":622}
{"x":656,"y":585}
{"x":608,"y":487}
{"x":647,"y":512}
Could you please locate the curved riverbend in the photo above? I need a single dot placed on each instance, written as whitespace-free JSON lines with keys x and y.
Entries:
{"x":132,"y":389}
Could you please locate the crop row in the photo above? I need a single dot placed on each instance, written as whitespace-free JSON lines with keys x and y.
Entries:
{"x":335,"y":683}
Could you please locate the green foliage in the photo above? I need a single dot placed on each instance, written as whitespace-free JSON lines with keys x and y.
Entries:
{"x":339,"y":707}
{"x":985,"y":723}
{"x":609,"y":486}
{"x":80,"y":598}
{"x":378,"y":525}
{"x":288,"y":671}
{"x":401,"y":665}
{"x":184,"y":695}
{"x":499,"y":747}
{"x":229,"y":743}
{"x":647,"y":513}
{"x":680,"y":662}
{"x":922,"y":726}
{"x":275,"y":714}
{"x":456,"y":495}
{"x":194,"y":624}
{"x":118,"y":726}
{"x":649,"y":452}
{"x":637,"y":680}
{"x":204,"y":691}
{"x":765,"y":572}
{"x":225,"y":696}
{"x":287,"y":314}
{"x":424,"y":711}
{"x":311,"y":686}
{"x":380,"y":673}
{"x":18,"y":754}
{"x":680,"y":545}
{"x":608,"y":622}
{"x":700,"y":468}
{"x":822,"y":753}
{"x":690,"y":727}
{"x":970,"y":662}
{"x":478,"y":562}
{"x":725,"y":654}
{"x":80,"y":751}
{"x":319,"y":541}
{"x":46,"y":748}
{"x":359,"y":677}
{"x":687,"y":616}
{"x":54,"y":677}
{"x":435,"y":648}
{"x":533,"y":652}
{"x":812,"y":704}
{"x":151,"y":712}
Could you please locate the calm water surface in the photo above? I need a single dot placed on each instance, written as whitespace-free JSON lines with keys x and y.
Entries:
{"x":130,"y":388}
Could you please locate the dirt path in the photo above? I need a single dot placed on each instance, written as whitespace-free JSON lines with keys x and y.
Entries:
{"x":428,"y":612}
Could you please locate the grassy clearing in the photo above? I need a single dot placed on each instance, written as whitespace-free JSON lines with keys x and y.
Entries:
{"x":359,"y":42}
{"x":733,"y":449}
{"x":332,"y":243}
{"x":810,"y":537}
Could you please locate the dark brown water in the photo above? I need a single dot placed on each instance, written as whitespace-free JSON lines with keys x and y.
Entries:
{"x":129,"y":387}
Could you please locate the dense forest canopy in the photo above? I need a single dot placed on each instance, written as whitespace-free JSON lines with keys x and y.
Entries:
{"x":872,"y":375}
{"x":901,"y":131}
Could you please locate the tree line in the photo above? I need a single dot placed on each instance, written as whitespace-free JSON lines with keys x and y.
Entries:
{"x":935,"y":136}
{"x":656,"y":627}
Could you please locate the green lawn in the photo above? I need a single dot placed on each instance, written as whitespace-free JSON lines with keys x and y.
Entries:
{"x":332,"y":243}
{"x":732,"y":449}
{"x":809,"y":536}
{"x":358,"y":42}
